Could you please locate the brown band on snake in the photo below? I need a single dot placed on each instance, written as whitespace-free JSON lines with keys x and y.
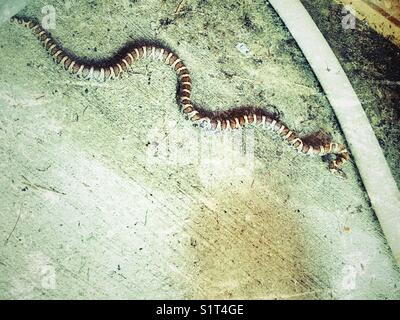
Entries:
{"x":232,"y":119}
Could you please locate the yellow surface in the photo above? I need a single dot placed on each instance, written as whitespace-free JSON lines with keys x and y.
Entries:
{"x":382,"y":15}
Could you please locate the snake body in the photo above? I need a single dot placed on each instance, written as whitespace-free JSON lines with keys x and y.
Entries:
{"x":232,"y":119}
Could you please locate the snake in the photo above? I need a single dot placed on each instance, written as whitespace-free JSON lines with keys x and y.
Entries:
{"x":234,"y":118}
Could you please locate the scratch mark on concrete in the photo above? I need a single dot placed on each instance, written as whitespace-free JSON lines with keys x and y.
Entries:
{"x":145,"y":218}
{"x":15,"y":225}
{"x":38,"y":186}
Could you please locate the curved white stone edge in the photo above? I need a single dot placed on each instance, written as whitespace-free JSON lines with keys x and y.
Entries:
{"x":371,"y":163}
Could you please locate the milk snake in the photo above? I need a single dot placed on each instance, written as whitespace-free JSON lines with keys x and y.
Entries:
{"x":232,"y":119}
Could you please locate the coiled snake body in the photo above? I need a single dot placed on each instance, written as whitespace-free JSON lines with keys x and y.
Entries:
{"x":232,"y":119}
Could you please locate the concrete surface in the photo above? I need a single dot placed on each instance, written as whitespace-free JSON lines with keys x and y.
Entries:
{"x":107,"y":192}
{"x":8,"y":8}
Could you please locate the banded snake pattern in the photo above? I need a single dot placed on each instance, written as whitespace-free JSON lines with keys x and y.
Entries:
{"x":231,"y":119}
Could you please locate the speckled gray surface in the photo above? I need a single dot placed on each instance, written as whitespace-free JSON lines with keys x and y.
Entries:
{"x":107,"y":192}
